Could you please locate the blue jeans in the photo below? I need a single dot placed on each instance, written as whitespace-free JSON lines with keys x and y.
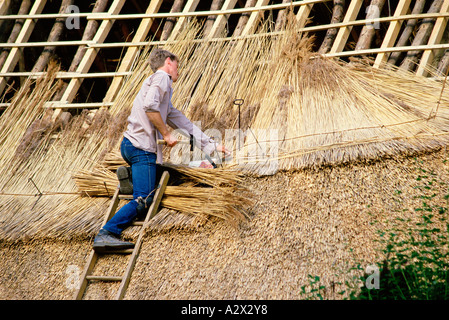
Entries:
{"x":144,"y":173}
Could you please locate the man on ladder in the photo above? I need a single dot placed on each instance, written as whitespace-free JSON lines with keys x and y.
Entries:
{"x":151,"y":112}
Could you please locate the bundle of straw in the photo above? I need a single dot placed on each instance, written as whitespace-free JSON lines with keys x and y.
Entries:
{"x":327,"y":112}
{"x":323,"y":111}
{"x":204,"y":192}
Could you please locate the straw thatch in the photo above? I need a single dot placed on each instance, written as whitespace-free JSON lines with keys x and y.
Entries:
{"x":325,"y":114}
{"x":203,"y":192}
{"x":322,"y":112}
{"x":302,"y":110}
{"x":309,"y":222}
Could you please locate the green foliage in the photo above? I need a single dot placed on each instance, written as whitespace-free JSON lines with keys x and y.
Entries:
{"x":416,"y":265}
{"x":417,"y":255}
{"x":314,"y":291}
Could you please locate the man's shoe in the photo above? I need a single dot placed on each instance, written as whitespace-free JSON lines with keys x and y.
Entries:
{"x":106,"y":240}
{"x":125,"y":180}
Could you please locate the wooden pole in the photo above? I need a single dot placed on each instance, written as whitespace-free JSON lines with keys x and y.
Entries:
{"x":384,"y":50}
{"x":281,"y":18}
{"x":54,"y":36}
{"x":392,"y":32}
{"x":367,"y":34}
{"x":443,"y":65}
{"x":408,"y":30}
{"x":160,"y":15}
{"x":343,"y":33}
{"x":331,"y":33}
{"x":422,"y":36}
{"x":210,"y":20}
{"x":254,"y":18}
{"x":221,"y":20}
{"x":243,"y":20}
{"x":23,"y":36}
{"x":170,"y":21}
{"x":88,"y":34}
{"x":189,"y":7}
{"x":90,"y":55}
{"x":5,"y":6}
{"x":435,"y":38}
{"x":24,"y":8}
{"x":132,"y":52}
{"x":303,"y":14}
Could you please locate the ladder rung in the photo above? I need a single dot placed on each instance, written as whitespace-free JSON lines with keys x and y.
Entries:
{"x":123,"y":251}
{"x":104,"y":278}
{"x":135,"y":252}
{"x":125,"y":196}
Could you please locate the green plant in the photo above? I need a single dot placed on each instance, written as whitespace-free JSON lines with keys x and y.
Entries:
{"x":314,"y":291}
{"x":416,"y":264}
{"x":417,"y":254}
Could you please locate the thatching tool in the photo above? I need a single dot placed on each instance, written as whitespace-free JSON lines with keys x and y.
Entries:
{"x":39,"y":195}
{"x":192,"y":144}
{"x":179,"y":141}
{"x":239,"y":102}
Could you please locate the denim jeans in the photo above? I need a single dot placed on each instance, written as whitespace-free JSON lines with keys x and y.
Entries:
{"x":144,"y":174}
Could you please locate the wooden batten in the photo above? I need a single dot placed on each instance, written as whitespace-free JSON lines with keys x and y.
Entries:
{"x":343,"y":33}
{"x":392,"y":32}
{"x":23,"y":37}
{"x":131,"y":53}
{"x":90,"y":54}
{"x":184,"y":11}
{"x":435,"y":38}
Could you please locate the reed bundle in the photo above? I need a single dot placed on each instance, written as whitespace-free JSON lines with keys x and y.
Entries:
{"x":203,"y":192}
{"x":38,"y":217}
{"x":323,"y":111}
{"x":331,"y":112}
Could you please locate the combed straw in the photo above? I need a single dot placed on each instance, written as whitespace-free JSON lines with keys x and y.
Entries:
{"x":300,"y":110}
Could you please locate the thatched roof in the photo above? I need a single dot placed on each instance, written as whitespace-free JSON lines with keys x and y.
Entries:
{"x":309,"y":222}
{"x":322,"y":112}
{"x":337,"y":124}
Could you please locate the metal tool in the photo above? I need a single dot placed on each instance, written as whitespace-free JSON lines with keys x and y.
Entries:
{"x":191,"y":142}
{"x":239,"y":102}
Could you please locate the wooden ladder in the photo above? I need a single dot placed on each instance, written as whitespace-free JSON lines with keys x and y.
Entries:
{"x":87,"y":273}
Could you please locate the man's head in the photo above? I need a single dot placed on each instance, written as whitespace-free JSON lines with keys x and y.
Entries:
{"x":164,"y":60}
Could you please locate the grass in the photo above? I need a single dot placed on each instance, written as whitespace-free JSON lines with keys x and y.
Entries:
{"x":416,"y":263}
{"x":416,"y":253}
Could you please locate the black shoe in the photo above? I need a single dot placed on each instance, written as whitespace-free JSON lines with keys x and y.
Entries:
{"x":106,"y":240}
{"x":125,"y":180}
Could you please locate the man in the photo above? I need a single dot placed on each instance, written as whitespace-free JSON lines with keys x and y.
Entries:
{"x":151,"y":112}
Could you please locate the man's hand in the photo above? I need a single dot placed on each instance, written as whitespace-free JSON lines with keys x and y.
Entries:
{"x":223,"y":149}
{"x":156,"y":119}
{"x":170,"y":140}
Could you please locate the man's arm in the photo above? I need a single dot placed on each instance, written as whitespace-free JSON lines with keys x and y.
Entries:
{"x":177,"y":120}
{"x":156,"y":120}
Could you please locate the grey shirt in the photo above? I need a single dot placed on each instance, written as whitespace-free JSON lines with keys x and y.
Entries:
{"x":155,"y":96}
